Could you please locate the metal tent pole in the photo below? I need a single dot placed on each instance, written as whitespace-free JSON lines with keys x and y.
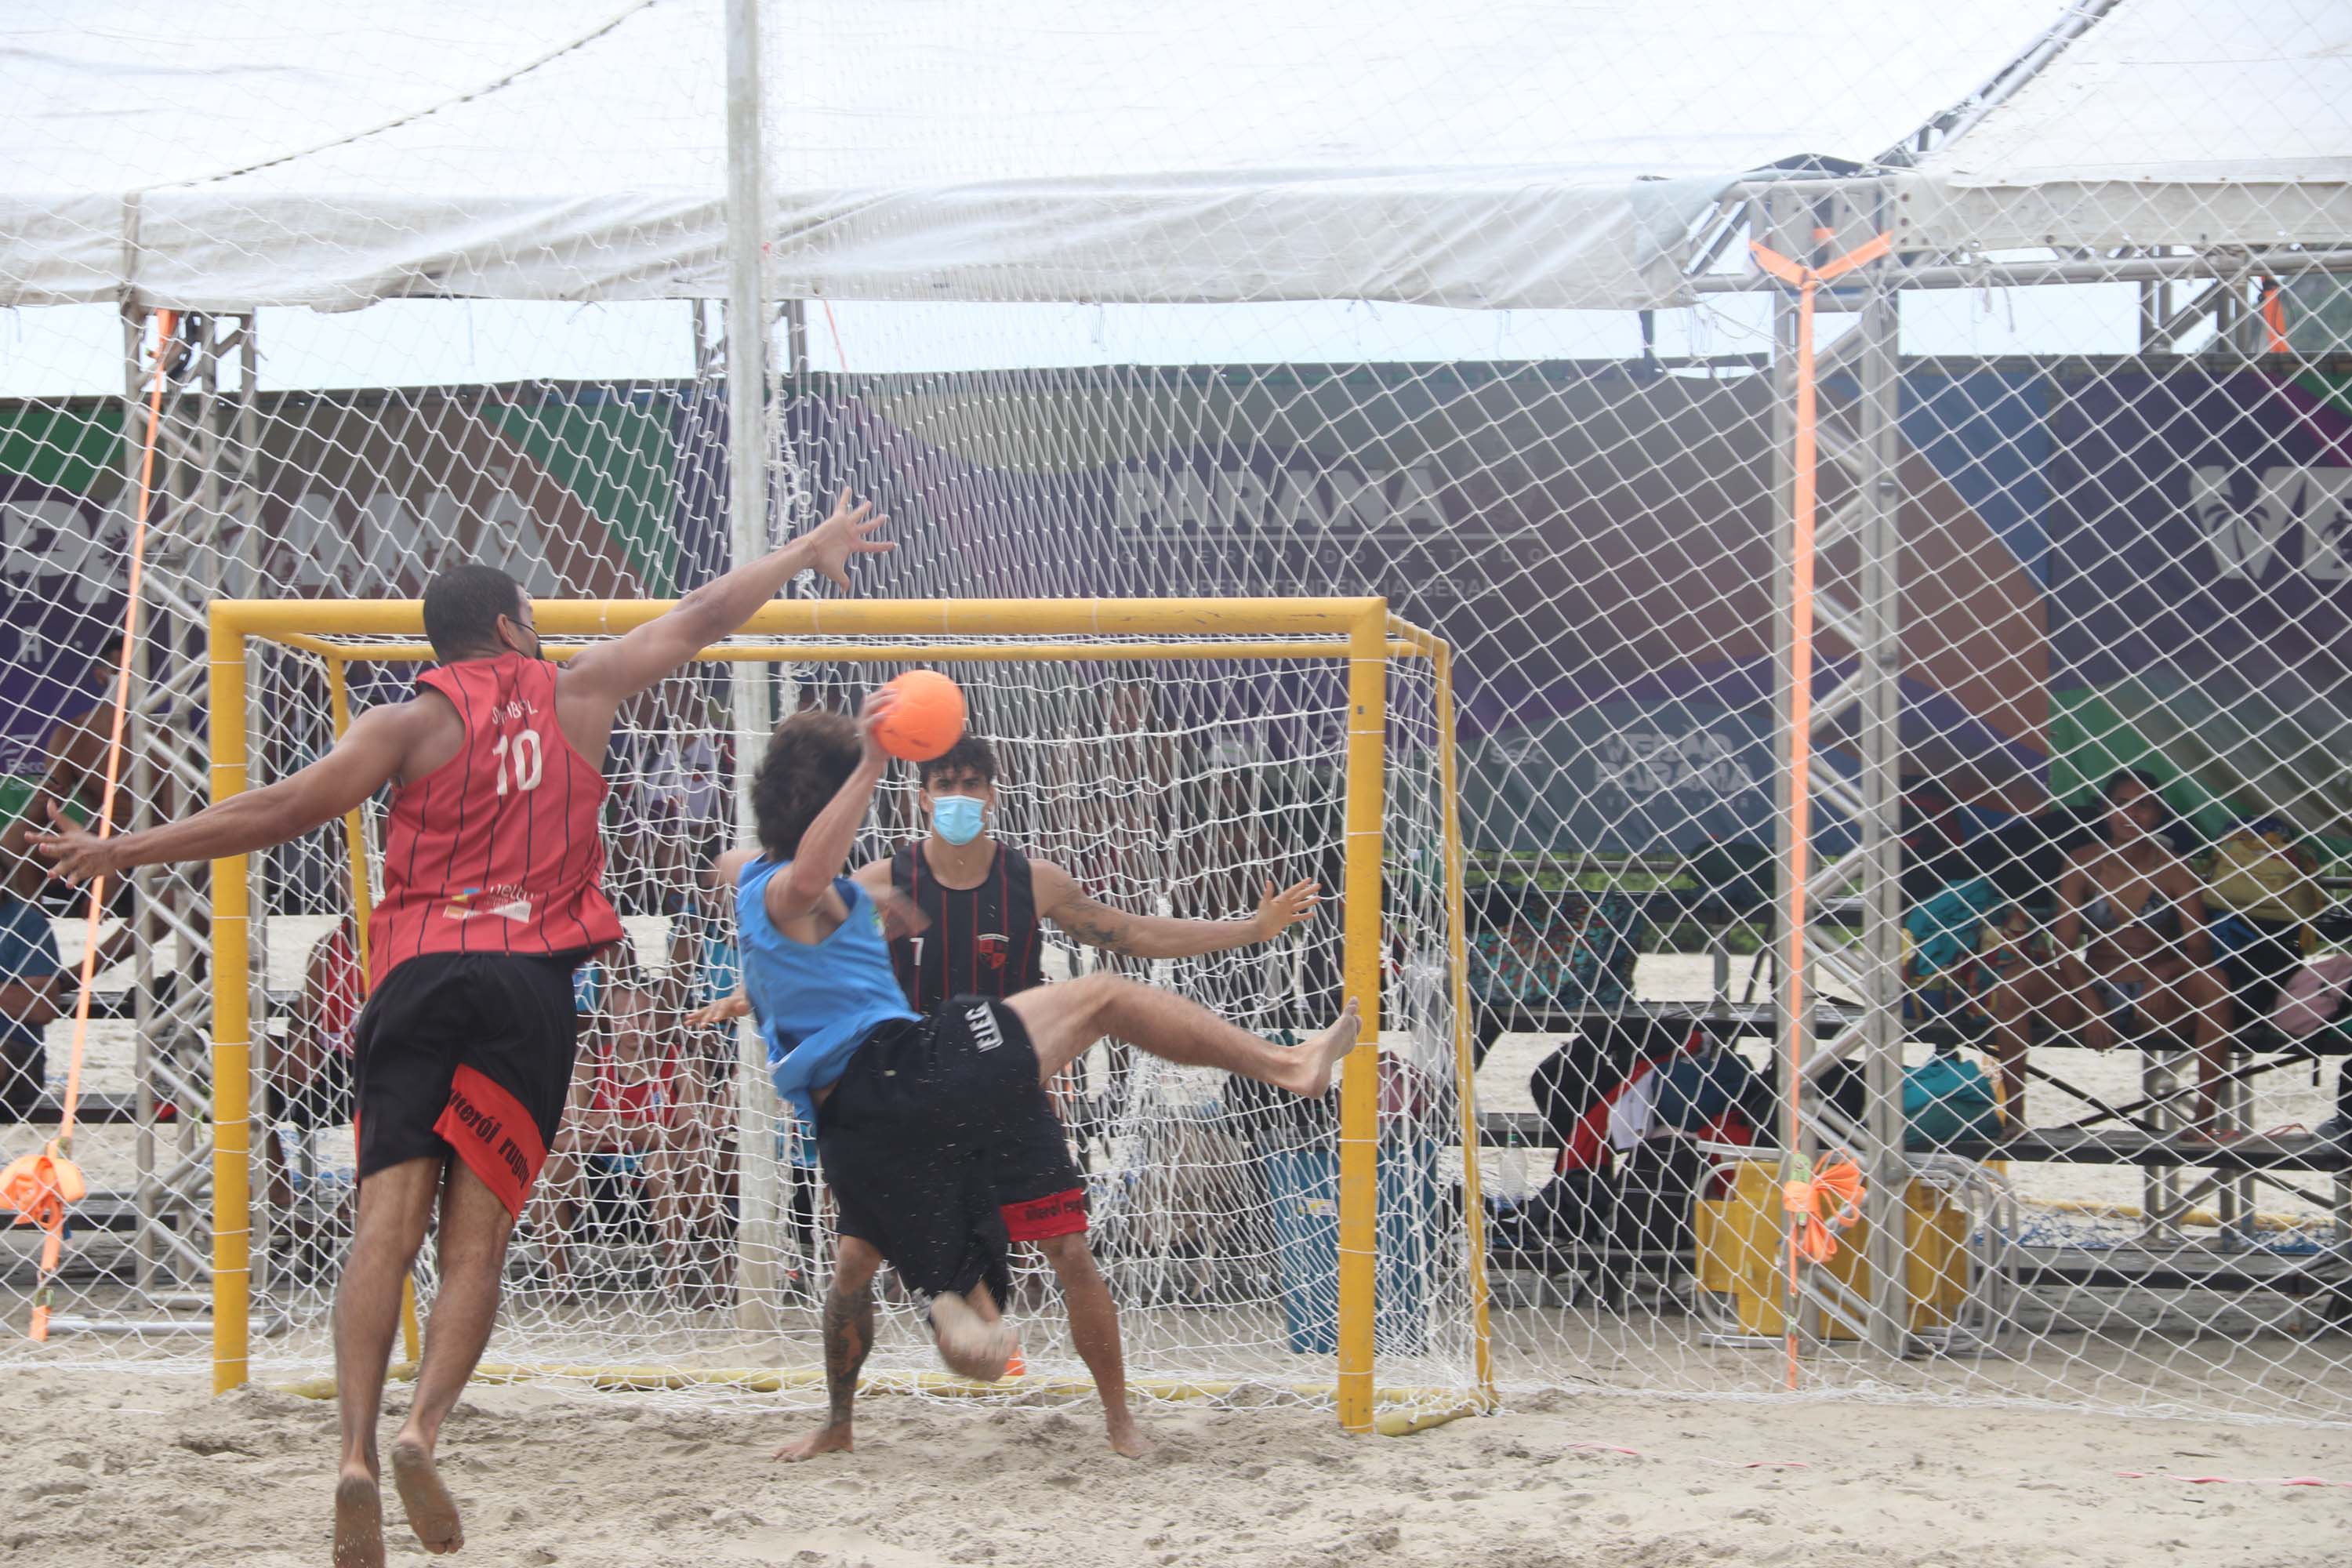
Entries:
{"x":1784,"y":403}
{"x":747,"y":467}
{"x":1887,"y":1171}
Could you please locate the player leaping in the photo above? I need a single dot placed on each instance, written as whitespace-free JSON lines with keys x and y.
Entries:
{"x":492,"y":898}
{"x":910,"y":1111}
{"x":981,"y":901}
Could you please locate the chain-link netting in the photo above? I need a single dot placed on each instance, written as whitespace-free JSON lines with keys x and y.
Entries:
{"x":2065,"y":500}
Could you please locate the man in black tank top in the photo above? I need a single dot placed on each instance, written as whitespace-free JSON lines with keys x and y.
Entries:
{"x":983,"y":901}
{"x":980,"y":940}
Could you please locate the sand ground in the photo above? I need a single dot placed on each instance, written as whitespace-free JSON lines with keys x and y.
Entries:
{"x":111,"y":1468}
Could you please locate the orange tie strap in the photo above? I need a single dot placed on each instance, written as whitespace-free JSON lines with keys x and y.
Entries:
{"x":41,"y":1188}
{"x":1822,"y":1204}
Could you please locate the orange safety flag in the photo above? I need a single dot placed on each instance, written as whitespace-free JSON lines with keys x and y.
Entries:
{"x":40,"y":1187}
{"x":1824,"y":1203}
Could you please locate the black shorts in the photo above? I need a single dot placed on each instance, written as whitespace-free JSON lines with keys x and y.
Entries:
{"x":470,"y":1054}
{"x":1038,"y":1186}
{"x":907,"y":1137}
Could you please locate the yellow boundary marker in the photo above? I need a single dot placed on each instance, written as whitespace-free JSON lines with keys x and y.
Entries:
{"x":1408,"y":1410}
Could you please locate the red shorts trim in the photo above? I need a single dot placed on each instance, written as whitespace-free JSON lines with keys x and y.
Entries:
{"x":1058,"y":1214}
{"x":494,"y":1135}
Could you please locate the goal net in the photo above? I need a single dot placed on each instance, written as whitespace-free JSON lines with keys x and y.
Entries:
{"x":1180,"y":758}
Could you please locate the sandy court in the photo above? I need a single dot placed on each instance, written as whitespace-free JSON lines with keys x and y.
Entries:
{"x":116,"y":1469}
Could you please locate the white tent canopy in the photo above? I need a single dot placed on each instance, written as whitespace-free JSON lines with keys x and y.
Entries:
{"x":2167,"y":122}
{"x":1496,"y":153}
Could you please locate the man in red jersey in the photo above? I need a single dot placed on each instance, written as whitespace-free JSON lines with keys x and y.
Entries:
{"x":492,"y":898}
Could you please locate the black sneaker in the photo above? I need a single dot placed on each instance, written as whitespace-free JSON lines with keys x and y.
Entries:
{"x":2335,"y":1129}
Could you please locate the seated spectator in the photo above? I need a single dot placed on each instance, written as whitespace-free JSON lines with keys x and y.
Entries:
{"x":311,"y":1077}
{"x":1628,"y":1103}
{"x":643,"y":1120}
{"x":311,"y":1083}
{"x":690,"y":782}
{"x":2144,"y":967}
{"x":1936,"y":831}
{"x":31,"y":983}
{"x":1943,"y":935}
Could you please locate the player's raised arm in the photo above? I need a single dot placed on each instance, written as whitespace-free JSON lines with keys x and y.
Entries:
{"x":1085,"y":919}
{"x":618,"y":670}
{"x":826,"y":843}
{"x":371,"y":754}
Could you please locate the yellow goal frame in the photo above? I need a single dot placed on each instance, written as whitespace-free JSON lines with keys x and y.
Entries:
{"x":1359,"y":631}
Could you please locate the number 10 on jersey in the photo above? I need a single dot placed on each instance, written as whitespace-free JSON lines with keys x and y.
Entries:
{"x":519,"y":756}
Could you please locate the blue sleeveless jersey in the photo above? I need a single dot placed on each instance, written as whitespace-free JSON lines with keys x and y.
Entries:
{"x":815,"y":1003}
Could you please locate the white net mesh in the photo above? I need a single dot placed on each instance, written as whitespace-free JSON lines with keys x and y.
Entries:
{"x":2081,"y":509}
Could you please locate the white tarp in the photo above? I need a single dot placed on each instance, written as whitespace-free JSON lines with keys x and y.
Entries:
{"x":2167,"y":122}
{"x":1502,"y":152}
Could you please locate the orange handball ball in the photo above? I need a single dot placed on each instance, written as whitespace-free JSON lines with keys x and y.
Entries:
{"x":927,"y":719}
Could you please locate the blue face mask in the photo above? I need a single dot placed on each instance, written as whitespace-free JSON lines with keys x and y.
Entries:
{"x":956,"y":817}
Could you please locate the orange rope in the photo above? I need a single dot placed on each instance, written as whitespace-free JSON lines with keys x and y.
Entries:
{"x":839,"y":351}
{"x":51,"y":1184}
{"x":1805,"y":279}
{"x":167,"y":328}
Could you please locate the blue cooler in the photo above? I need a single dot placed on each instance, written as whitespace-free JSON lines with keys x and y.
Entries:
{"x":1304,"y":1183}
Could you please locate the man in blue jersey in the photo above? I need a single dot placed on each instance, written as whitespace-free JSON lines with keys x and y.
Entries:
{"x":907,"y":1108}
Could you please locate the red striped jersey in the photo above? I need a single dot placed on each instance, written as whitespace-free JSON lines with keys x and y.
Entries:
{"x":498,"y":849}
{"x":981,"y":941}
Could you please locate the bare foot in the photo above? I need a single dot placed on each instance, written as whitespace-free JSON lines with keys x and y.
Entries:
{"x":823,"y":1440}
{"x":359,"y":1521}
{"x":971,"y":1345}
{"x":1127,"y":1438}
{"x":1319,"y":1057}
{"x":432,"y":1512}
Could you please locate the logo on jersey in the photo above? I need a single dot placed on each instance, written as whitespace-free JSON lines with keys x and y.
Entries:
{"x":993,"y":950}
{"x":986,"y":1035}
{"x":509,"y":902}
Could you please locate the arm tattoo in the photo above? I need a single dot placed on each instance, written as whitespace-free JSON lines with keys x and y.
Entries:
{"x":848,"y":1336}
{"x":1093,"y":924}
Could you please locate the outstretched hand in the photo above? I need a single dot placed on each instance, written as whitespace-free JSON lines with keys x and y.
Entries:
{"x":77,"y":854}
{"x":847,"y":534}
{"x":1278,"y":911}
{"x":726,"y":1010}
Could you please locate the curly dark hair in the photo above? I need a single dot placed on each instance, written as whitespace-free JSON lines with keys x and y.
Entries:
{"x":969,"y":755}
{"x":810,"y":757}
